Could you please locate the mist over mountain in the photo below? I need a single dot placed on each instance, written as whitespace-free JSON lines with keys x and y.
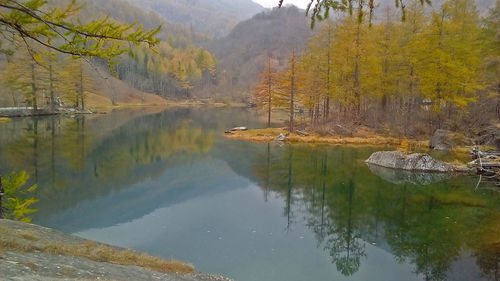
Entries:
{"x":214,"y":17}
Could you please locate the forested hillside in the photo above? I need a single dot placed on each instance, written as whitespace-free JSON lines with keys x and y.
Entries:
{"x":168,"y":70}
{"x":213,"y":17}
{"x":483,"y":6}
{"x":437,"y":69}
{"x":243,"y":53}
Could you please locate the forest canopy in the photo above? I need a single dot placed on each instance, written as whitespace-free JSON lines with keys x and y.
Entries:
{"x":56,"y":28}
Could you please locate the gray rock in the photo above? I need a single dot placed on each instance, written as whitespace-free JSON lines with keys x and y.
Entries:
{"x":239,"y":129}
{"x":43,"y":266}
{"x":413,"y":162}
{"x":281,"y":137}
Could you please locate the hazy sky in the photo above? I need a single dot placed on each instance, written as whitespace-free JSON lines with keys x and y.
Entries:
{"x":273,"y":3}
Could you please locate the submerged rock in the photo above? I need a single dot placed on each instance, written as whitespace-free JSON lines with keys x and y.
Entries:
{"x":412,"y":162}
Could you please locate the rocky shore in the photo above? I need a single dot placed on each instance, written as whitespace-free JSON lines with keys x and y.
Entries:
{"x":419,"y":162}
{"x":28,"y":111}
{"x":31,"y":252}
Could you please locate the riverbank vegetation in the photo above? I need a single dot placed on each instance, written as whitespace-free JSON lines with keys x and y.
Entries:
{"x":362,"y":136}
{"x":436,"y":69}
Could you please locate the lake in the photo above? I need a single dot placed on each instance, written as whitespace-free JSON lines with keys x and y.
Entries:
{"x":168,"y":183}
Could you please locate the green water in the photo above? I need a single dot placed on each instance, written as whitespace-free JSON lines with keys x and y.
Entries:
{"x":168,"y":183}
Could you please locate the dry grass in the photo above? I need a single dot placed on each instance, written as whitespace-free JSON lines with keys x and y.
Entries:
{"x":4,"y":119}
{"x":103,"y":253}
{"x":25,"y":241}
{"x":269,"y":134}
{"x":28,"y":235}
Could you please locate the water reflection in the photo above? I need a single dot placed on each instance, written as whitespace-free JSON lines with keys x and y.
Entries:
{"x":402,"y":176}
{"x":347,"y":205}
{"x":84,"y":157}
{"x":121,"y":177}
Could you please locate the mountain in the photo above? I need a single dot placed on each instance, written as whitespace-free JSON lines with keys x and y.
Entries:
{"x":214,"y":17}
{"x":243,"y":52}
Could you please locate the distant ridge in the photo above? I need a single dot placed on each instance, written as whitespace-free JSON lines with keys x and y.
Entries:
{"x":213,"y":17}
{"x":243,"y":52}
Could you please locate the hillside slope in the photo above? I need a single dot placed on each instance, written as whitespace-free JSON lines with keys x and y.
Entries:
{"x":214,"y":17}
{"x":177,"y":63}
{"x":242,"y":54}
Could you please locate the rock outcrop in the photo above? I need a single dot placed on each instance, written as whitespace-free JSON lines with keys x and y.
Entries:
{"x":29,"y":252}
{"x":412,"y":162}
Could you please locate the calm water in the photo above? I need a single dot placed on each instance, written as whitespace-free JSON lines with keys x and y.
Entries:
{"x":168,"y":183}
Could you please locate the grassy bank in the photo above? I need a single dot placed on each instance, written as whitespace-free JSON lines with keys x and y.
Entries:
{"x":19,"y":237}
{"x":362,"y":138}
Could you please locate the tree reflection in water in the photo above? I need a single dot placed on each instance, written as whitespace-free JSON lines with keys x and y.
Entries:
{"x":348,"y":207}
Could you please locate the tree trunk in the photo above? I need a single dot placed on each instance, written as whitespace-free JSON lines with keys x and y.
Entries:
{"x":356,"y":66}
{"x":269,"y":99}
{"x":292,"y":92}
{"x":51,"y":84}
{"x":1,"y":198}
{"x":82,"y":98}
{"x":33,"y":86}
{"x":327,"y":104}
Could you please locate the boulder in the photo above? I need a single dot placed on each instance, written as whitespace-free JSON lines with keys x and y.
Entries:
{"x":446,"y":140}
{"x":412,"y":162}
{"x":281,"y":137}
{"x":239,"y":129}
{"x":236,"y":129}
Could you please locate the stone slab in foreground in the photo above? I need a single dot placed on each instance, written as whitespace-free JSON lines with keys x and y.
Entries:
{"x":27,"y":265}
{"x":420,"y":162}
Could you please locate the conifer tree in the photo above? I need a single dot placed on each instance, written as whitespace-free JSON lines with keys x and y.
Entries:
{"x":266,"y":90}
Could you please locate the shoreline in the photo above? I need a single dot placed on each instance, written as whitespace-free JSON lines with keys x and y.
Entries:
{"x":270,"y":134}
{"x":28,"y":251}
{"x":16,"y":112}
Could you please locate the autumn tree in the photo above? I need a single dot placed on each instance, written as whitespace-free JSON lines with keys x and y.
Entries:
{"x":287,"y":93}
{"x":75,"y":80}
{"x":267,"y":89}
{"x":449,"y":57}
{"x":23,"y":76}
{"x":318,"y":68}
{"x":57,"y":29}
